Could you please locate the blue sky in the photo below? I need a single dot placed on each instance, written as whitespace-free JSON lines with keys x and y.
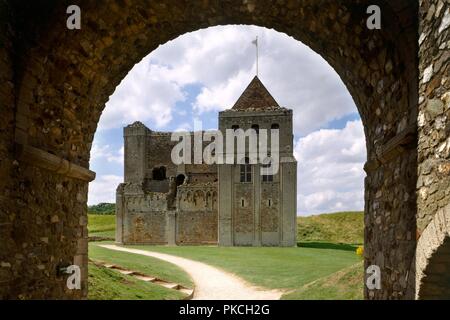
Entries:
{"x":200,"y":73}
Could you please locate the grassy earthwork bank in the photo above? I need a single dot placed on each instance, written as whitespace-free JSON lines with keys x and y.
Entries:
{"x":147,"y":265}
{"x":107,"y":284}
{"x":101,"y":225}
{"x":324,"y":266}
{"x":339,"y":227}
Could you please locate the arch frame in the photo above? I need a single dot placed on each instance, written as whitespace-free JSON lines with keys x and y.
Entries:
{"x":71,"y":75}
{"x":431,"y":240}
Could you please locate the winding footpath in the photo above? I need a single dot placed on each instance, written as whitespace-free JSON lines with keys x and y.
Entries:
{"x":210,"y":283}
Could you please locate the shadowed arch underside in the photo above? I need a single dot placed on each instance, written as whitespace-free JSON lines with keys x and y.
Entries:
{"x":433,"y":258}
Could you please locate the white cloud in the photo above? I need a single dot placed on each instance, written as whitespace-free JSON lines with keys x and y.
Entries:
{"x":146,"y":94}
{"x":223,"y":95}
{"x":222,"y":61}
{"x":119,"y":157}
{"x":105,"y":152}
{"x":103,"y":189}
{"x":330,"y":169}
{"x":208,"y":56}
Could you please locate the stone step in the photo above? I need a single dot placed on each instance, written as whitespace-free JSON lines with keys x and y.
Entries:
{"x":145,"y":278}
{"x":126,"y":272}
{"x":168,"y":285}
{"x":186,"y":291}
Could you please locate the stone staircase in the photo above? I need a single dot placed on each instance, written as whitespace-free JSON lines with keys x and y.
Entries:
{"x":147,"y":278}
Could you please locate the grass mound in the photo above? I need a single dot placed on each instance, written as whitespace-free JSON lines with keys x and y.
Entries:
{"x":147,"y":265}
{"x":101,"y":225}
{"x":340,"y":227}
{"x":346,"y":284}
{"x":106,"y":284}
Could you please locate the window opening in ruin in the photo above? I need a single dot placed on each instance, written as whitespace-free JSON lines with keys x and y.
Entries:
{"x":246,"y":171}
{"x":159,"y":173}
{"x":180,"y":179}
{"x":267,"y":177}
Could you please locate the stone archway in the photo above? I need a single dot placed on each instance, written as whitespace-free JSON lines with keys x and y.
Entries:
{"x":58,"y":81}
{"x":433,"y":258}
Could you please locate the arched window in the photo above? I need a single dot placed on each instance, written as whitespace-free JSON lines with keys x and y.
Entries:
{"x":235,"y":127}
{"x":180,"y":179}
{"x":256,"y":128}
{"x":275,"y":126}
{"x":246,"y":171}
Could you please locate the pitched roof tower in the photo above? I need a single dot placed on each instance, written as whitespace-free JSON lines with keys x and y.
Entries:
{"x":255,"y":97}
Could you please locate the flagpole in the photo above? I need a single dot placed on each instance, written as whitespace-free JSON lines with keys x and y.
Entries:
{"x":255,"y":42}
{"x":257,"y":66}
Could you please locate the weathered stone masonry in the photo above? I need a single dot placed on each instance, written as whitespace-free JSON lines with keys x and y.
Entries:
{"x":254,"y":211}
{"x":160,"y":202}
{"x":433,"y":184}
{"x":55,"y":83}
{"x":7,"y":97}
{"x":163,"y":203}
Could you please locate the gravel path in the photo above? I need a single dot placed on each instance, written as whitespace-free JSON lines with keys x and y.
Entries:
{"x":210,"y":283}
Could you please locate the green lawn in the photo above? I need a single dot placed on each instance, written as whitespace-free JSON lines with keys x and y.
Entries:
{"x":101,"y":225}
{"x":147,"y":265}
{"x":324,"y":266}
{"x":106,"y":284}
{"x":279,"y":268}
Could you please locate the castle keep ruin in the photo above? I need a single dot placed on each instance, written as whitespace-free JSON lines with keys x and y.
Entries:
{"x":226,"y":204}
{"x":56,"y":82}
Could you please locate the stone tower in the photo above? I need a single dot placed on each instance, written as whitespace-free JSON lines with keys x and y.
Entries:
{"x":255,"y":209}
{"x":229,"y":204}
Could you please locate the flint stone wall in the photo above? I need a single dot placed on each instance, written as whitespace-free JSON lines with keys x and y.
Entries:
{"x":433,"y":184}
{"x":56,"y":83}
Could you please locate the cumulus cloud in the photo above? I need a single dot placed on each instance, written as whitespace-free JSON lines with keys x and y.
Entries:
{"x":208,"y":56}
{"x":106,"y":152}
{"x":330,"y":169}
{"x":147,"y":94}
{"x":222,"y":61}
{"x":222,"y":95}
{"x":103,"y":189}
